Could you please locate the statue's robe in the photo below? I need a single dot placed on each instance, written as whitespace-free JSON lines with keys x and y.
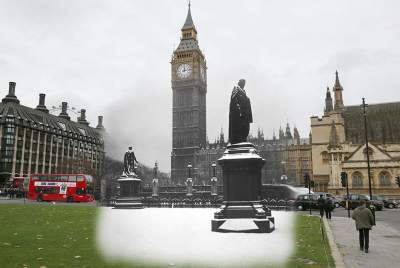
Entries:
{"x":129,"y":162}
{"x":240,"y":116}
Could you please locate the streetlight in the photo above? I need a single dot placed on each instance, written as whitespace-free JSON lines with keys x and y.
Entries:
{"x":213,"y":167}
{"x":367,"y":147}
{"x":189,"y":169}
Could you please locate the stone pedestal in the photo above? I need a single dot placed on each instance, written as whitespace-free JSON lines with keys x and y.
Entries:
{"x":189,"y":187}
{"x":155,"y":188}
{"x":214,"y":186}
{"x":129,"y":192}
{"x":241,"y":168}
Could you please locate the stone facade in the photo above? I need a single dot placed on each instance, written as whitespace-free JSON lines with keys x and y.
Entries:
{"x":338,"y":144}
{"x":35,"y":141}
{"x":189,"y":89}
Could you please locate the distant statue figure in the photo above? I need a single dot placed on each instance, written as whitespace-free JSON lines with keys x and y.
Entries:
{"x":129,"y":162}
{"x":240,"y":115}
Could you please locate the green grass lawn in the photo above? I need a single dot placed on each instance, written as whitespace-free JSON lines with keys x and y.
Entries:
{"x":312,"y":248}
{"x":64,"y":236}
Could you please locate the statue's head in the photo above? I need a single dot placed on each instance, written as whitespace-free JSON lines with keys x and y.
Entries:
{"x":241,"y":83}
{"x":130,"y":148}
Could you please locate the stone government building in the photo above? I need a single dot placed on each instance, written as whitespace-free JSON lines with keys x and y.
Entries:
{"x":34,"y":141}
{"x":338,"y":144}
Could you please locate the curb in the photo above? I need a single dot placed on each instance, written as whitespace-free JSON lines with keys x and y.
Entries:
{"x":334,"y":249}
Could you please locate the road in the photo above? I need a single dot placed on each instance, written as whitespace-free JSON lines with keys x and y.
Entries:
{"x":389,"y":216}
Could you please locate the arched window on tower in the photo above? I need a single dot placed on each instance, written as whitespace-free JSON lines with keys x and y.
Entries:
{"x":384,"y":178}
{"x":357,"y":179}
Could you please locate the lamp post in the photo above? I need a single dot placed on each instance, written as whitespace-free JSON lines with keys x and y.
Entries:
{"x":367,"y":147}
{"x":189,"y":166}
{"x":213,"y":167}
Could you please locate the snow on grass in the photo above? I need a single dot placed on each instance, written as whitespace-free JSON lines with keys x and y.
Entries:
{"x":183,"y":235}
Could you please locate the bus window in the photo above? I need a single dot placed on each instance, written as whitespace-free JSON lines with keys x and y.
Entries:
{"x":72,"y":178}
{"x":64,"y":178}
{"x":79,"y":178}
{"x":51,"y":190}
{"x":39,"y":189}
{"x":35,"y":178}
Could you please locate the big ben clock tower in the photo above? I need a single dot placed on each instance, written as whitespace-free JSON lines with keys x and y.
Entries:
{"x":189,"y":89}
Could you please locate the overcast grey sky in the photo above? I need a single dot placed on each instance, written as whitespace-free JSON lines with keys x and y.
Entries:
{"x":112,"y":58}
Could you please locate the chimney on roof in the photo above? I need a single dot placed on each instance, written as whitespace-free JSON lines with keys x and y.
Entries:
{"x":82,"y":118}
{"x":42,"y":107}
{"x":100,"y":122}
{"x":64,"y":114}
{"x":11,"y":94}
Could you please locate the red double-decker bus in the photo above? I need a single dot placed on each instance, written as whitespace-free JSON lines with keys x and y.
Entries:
{"x":61,"y":187}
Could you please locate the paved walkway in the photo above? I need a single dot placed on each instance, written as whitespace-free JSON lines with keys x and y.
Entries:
{"x":383,"y":248}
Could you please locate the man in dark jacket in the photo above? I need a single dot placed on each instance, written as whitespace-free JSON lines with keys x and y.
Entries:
{"x":328,"y":207}
{"x":364,"y":221}
{"x":321,"y":205}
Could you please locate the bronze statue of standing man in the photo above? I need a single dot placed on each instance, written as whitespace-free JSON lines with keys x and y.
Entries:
{"x":240,"y":115}
{"x":129,"y":161}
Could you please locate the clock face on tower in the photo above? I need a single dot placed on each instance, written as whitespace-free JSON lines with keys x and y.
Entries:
{"x":183,"y":71}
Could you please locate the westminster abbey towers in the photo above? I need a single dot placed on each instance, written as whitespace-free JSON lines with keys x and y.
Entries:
{"x":189,"y":89}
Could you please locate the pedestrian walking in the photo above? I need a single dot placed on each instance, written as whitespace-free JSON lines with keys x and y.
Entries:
{"x":372,"y":209}
{"x":328,"y":207}
{"x":321,"y":205}
{"x":364,"y":221}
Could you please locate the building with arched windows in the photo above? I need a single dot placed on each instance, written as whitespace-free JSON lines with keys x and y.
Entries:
{"x":338,"y":145}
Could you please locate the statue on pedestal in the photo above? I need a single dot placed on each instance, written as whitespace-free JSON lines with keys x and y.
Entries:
{"x":129,"y":184}
{"x":240,"y":115}
{"x":241,"y":171}
{"x":129,"y":162}
{"x":155,"y":181}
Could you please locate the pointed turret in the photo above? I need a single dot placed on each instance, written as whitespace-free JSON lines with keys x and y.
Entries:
{"x":296,"y":136}
{"x":189,"y":30}
{"x":288,"y":133}
{"x":337,"y":89}
{"x":221,"y":137}
{"x":333,"y":137}
{"x":328,"y":101}
{"x":189,"y":21}
{"x":281,"y":134}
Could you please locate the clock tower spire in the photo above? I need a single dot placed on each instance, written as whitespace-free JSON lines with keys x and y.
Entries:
{"x":189,"y":89}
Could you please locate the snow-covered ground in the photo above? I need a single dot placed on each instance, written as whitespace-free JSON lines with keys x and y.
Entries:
{"x":183,"y":235}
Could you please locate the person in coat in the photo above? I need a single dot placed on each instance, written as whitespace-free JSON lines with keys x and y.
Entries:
{"x":364,"y":221}
{"x":328,"y":207}
{"x":321,"y":205}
